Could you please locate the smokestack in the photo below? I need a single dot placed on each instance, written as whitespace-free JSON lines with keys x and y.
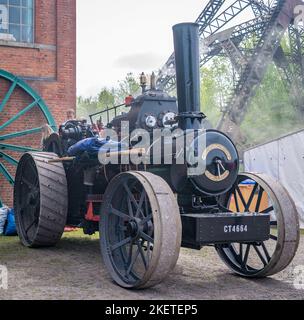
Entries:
{"x":187,"y":62}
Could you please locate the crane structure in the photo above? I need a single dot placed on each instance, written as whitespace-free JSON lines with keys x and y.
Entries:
{"x":249,"y":33}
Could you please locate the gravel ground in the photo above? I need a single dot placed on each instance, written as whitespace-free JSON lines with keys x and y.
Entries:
{"x":74,"y":270}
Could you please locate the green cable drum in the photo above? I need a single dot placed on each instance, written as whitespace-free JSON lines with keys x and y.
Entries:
{"x":22,"y":115}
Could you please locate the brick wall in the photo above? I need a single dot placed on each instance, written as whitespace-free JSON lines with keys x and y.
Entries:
{"x":48,"y":66}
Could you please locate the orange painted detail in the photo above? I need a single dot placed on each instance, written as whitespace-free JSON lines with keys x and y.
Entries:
{"x":129,"y":100}
{"x":90,"y":213}
{"x":70,"y":229}
{"x":246,"y":192}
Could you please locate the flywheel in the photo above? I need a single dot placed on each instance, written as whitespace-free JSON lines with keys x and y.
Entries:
{"x":23,"y":116}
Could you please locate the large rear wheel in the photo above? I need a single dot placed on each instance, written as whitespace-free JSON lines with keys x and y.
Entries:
{"x":40,"y":200}
{"x":140,"y":230}
{"x":20,"y":107}
{"x":261,"y":194}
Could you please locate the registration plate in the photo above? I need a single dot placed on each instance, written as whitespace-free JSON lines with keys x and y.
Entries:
{"x":202,"y":229}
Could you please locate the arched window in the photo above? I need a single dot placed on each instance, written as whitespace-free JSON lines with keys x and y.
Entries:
{"x":16,"y":20}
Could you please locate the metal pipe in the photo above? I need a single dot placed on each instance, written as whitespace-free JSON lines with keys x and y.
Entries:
{"x":187,"y":61}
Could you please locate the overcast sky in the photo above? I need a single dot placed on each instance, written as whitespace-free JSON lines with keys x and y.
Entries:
{"x":119,"y":36}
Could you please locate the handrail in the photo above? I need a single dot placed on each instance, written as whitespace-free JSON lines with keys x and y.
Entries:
{"x":107,"y":111}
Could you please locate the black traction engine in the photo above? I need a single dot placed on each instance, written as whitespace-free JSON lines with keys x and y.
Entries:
{"x":147,"y":208}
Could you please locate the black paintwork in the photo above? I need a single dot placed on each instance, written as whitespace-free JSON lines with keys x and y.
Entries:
{"x":204,"y":229}
{"x":151,"y":103}
{"x":187,"y":58}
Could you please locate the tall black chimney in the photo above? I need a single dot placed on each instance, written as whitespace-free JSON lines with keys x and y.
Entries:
{"x":187,"y":62}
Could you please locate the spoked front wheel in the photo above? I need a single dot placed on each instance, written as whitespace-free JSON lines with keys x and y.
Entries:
{"x":258,"y":193}
{"x":140,"y":230}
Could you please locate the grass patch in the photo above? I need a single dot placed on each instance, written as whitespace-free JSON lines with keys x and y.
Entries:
{"x":9,"y":243}
{"x":8,"y":240}
{"x":10,"y":246}
{"x":78,"y":234}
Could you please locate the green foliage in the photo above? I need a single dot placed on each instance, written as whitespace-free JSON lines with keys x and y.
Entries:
{"x":209,"y":96}
{"x":86,"y":106}
{"x":271,"y":112}
{"x":265,"y":109}
{"x":107,"y":97}
{"x":215,"y":87}
{"x":126,"y":87}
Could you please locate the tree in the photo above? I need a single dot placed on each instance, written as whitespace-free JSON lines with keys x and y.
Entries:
{"x":215,"y":87}
{"x":86,"y":106}
{"x":126,"y":87}
{"x":106,"y":98}
{"x":271,"y":113}
{"x":209,"y":103}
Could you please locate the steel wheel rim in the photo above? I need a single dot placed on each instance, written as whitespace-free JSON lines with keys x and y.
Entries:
{"x":237,"y":256}
{"x":131,"y":277}
{"x":48,"y":201}
{"x":16,"y":83}
{"x":164,"y":237}
{"x":28,"y":201}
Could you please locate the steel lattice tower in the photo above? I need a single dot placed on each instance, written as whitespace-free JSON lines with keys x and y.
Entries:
{"x":269,"y":21}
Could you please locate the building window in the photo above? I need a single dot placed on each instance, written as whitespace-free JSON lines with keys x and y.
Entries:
{"x":16,"y":20}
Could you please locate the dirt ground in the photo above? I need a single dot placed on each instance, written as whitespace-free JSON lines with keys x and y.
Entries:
{"x":74,"y":270}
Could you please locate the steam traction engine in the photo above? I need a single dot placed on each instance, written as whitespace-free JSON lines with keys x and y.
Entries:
{"x":146,"y":211}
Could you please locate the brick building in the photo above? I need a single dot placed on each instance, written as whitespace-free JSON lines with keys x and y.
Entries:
{"x":38,"y":45}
